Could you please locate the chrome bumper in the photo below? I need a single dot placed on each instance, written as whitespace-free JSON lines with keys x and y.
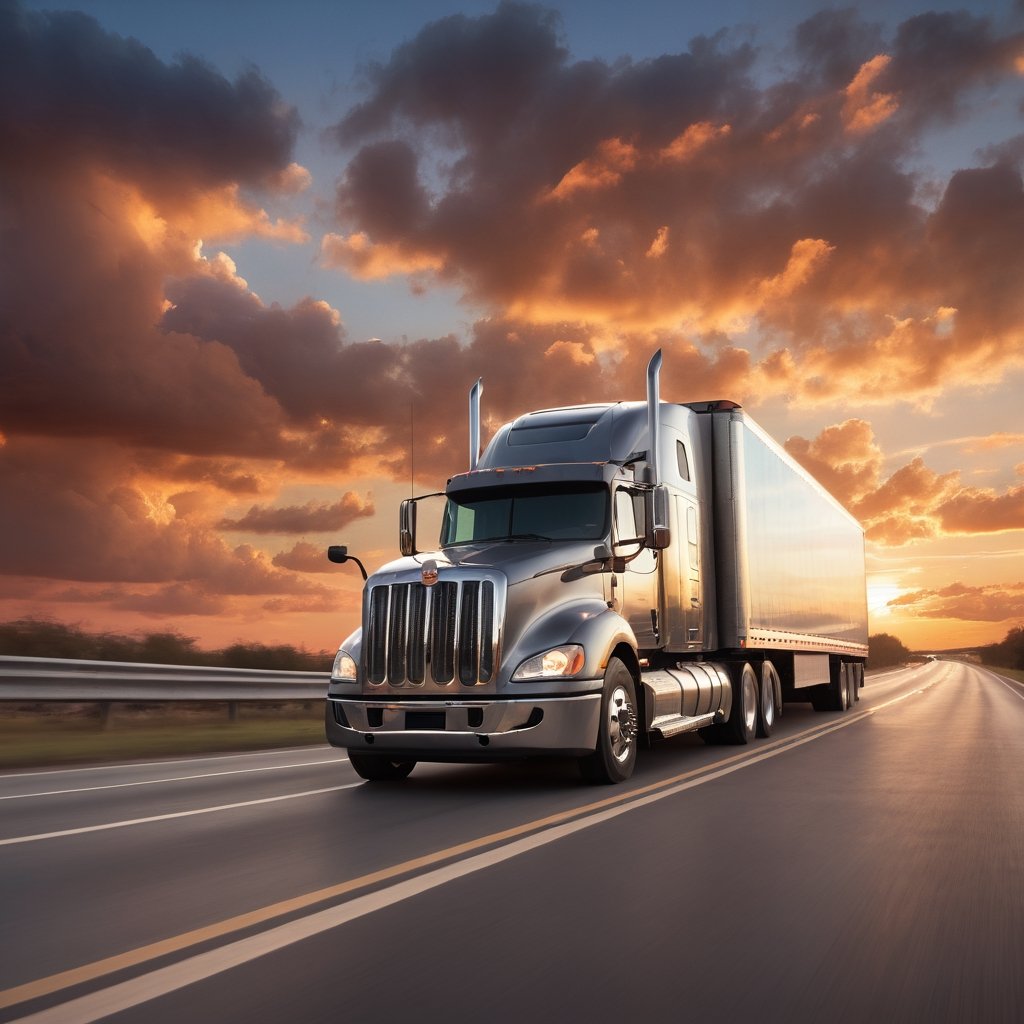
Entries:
{"x":466,"y":730}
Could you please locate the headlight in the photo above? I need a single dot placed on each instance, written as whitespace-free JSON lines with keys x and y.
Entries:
{"x":344,"y":667}
{"x":559,"y":662}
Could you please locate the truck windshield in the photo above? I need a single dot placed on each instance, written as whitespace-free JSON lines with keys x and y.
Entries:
{"x":526,"y":513}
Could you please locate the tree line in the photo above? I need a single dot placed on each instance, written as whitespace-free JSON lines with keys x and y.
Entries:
{"x":44,"y":638}
{"x":885,"y":650}
{"x":1008,"y":653}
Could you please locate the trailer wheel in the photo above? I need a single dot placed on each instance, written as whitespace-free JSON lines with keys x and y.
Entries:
{"x":768,"y":709}
{"x":615,"y":756}
{"x":835,"y":694}
{"x":379,"y":768}
{"x":742,"y":724}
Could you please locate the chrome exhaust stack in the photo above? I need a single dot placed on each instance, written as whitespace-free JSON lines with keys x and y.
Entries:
{"x":653,"y":418}
{"x":474,"y":422}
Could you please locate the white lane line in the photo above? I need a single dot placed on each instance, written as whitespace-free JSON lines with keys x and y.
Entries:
{"x":174,"y":778}
{"x":127,"y":765}
{"x":165,"y":980}
{"x":15,"y":840}
{"x":1011,"y":684}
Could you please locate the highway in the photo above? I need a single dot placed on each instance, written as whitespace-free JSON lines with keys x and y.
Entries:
{"x":866,"y":865}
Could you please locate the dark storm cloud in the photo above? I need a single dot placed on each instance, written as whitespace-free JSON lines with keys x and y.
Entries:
{"x":68,"y":88}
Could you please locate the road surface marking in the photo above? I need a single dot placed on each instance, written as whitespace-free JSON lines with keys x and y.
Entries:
{"x":1012,"y":689}
{"x":175,"y":778}
{"x":517,"y":840}
{"x":152,"y":764}
{"x":15,"y":840}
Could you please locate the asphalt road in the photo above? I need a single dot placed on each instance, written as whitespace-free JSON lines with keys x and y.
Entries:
{"x":858,"y":866}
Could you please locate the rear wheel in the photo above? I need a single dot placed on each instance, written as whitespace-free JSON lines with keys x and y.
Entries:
{"x":741,"y":726}
{"x":615,"y":756}
{"x":378,"y":767}
{"x":768,"y":709}
{"x":834,"y":695}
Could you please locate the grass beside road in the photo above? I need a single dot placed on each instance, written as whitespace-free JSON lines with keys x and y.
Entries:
{"x":1010,"y":673}
{"x":52,"y":735}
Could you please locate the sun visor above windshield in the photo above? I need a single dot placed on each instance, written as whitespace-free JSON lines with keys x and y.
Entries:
{"x":586,"y":472}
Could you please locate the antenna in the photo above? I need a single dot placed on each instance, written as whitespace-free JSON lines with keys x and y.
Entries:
{"x":412,"y":447}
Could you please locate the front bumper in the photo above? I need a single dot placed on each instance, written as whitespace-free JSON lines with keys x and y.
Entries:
{"x":466,"y":730}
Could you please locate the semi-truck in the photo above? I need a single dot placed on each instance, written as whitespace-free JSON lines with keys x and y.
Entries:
{"x":606,"y":576}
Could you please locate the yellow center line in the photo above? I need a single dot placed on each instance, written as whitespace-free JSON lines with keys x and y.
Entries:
{"x":143,"y":954}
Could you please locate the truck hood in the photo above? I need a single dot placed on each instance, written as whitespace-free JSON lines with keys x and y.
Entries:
{"x":518,"y":559}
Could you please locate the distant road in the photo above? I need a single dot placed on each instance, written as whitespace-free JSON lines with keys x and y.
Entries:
{"x":866,"y":866}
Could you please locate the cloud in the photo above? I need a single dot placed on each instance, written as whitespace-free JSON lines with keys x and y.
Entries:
{"x":305,"y":557}
{"x":996,"y":603}
{"x":844,"y":458}
{"x":105,"y":521}
{"x":115,"y":165}
{"x":983,"y":510}
{"x":684,"y":194}
{"x":911,"y":503}
{"x":313,"y":517}
{"x":71,"y":91}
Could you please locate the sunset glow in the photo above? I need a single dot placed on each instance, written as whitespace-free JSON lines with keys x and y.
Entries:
{"x":243,"y":296}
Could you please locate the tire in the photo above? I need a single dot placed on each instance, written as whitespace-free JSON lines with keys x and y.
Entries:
{"x":614,"y":757}
{"x":741,"y":727}
{"x":768,"y":706}
{"x":379,"y":767}
{"x":858,"y":680}
{"x":834,"y":695}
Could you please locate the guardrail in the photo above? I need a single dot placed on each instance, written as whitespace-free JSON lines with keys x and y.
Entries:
{"x":61,"y":679}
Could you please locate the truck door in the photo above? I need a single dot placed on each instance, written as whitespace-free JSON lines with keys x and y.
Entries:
{"x":684,"y":608}
{"x":638,"y":586}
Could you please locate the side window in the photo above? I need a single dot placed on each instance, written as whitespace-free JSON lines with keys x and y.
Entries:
{"x":682,"y":461}
{"x":626,"y":528}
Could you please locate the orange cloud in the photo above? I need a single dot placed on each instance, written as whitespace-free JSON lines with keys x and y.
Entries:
{"x":864,"y":109}
{"x":313,"y":517}
{"x":912,"y":503}
{"x":997,"y":603}
{"x":304,"y":557}
{"x":605,"y":168}
{"x":977,"y":510}
{"x":369,"y":261}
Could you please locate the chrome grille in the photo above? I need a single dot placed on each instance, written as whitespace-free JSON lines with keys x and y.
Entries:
{"x":439,"y":636}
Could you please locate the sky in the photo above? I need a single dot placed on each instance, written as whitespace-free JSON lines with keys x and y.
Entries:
{"x":253,"y":255}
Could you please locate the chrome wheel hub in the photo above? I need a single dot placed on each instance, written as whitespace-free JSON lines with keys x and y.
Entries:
{"x":621,"y":724}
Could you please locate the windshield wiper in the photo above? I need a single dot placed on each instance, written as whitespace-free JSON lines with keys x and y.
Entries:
{"x":523,"y":536}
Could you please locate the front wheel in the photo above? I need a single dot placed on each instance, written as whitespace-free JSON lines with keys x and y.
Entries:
{"x":615,"y":756}
{"x":379,"y":768}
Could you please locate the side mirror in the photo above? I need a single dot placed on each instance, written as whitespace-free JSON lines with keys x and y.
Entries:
{"x":659,"y":534}
{"x":407,"y":527}
{"x":339,"y":553}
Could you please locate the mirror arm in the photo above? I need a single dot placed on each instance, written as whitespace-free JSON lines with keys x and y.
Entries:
{"x":338,"y":553}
